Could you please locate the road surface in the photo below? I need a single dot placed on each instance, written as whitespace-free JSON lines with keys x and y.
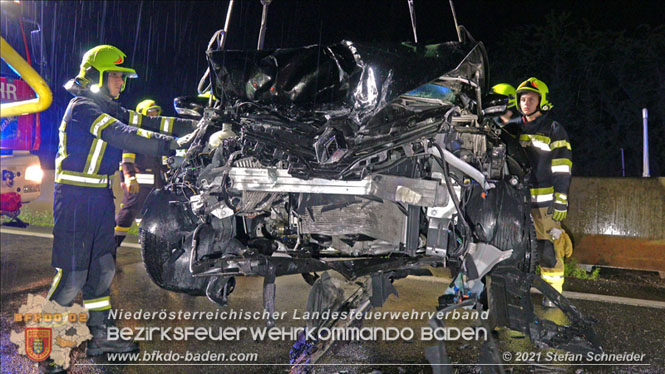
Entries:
{"x":25,"y":268}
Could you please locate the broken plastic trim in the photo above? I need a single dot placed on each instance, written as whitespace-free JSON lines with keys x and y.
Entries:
{"x":485,"y":257}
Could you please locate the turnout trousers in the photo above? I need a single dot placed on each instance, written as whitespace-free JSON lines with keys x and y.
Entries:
{"x":132,"y":204}
{"x":563,"y":246}
{"x":83,"y":248}
{"x":130,"y":209}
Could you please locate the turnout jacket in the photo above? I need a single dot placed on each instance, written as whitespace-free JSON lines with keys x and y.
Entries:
{"x":95,"y":129}
{"x":550,"y":155}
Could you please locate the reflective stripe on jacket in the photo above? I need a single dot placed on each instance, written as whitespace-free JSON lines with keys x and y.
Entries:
{"x":550,"y":155}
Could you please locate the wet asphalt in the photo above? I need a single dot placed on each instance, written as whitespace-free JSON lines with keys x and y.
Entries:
{"x":25,"y":268}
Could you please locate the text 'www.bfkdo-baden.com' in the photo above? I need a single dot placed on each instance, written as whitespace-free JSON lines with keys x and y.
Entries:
{"x":156,"y":357}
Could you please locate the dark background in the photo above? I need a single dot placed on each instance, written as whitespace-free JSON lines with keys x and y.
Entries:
{"x":603,"y":60}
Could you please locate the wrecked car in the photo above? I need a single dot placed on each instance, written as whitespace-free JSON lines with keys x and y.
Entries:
{"x":372,"y":161}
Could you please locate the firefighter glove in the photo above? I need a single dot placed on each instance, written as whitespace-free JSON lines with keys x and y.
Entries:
{"x":131,"y":184}
{"x":559,"y":208}
{"x":184,"y":141}
{"x":218,"y":137}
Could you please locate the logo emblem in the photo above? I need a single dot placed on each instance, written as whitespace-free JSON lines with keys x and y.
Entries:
{"x":38,"y":343}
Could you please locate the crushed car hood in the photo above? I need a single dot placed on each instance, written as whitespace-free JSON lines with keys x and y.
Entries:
{"x":346,"y":76}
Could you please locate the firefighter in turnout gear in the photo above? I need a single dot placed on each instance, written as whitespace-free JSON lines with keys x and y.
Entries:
{"x":141,"y":174}
{"x":511,"y":116}
{"x":550,"y":155}
{"x":92,"y":134}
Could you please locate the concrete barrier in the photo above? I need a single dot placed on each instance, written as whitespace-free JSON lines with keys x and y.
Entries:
{"x":618,"y":222}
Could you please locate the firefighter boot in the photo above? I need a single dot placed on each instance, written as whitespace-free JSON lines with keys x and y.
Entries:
{"x":101,"y":343}
{"x":51,"y":368}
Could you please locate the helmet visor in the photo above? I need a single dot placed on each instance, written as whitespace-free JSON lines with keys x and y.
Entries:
{"x":126,"y":72}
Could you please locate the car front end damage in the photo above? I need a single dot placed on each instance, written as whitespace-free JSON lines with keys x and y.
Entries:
{"x":373,"y":161}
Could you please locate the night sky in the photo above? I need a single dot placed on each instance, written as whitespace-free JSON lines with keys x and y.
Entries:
{"x":165,"y":40}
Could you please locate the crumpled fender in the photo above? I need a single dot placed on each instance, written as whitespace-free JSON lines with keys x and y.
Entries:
{"x":167,"y":216}
{"x":166,"y":241}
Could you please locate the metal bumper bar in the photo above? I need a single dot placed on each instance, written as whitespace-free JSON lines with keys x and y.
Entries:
{"x":418,"y":192}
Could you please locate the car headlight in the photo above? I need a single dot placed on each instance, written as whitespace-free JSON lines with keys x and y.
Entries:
{"x":34,"y":173}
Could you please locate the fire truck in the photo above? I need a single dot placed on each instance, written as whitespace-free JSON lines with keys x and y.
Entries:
{"x":23,"y":94}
